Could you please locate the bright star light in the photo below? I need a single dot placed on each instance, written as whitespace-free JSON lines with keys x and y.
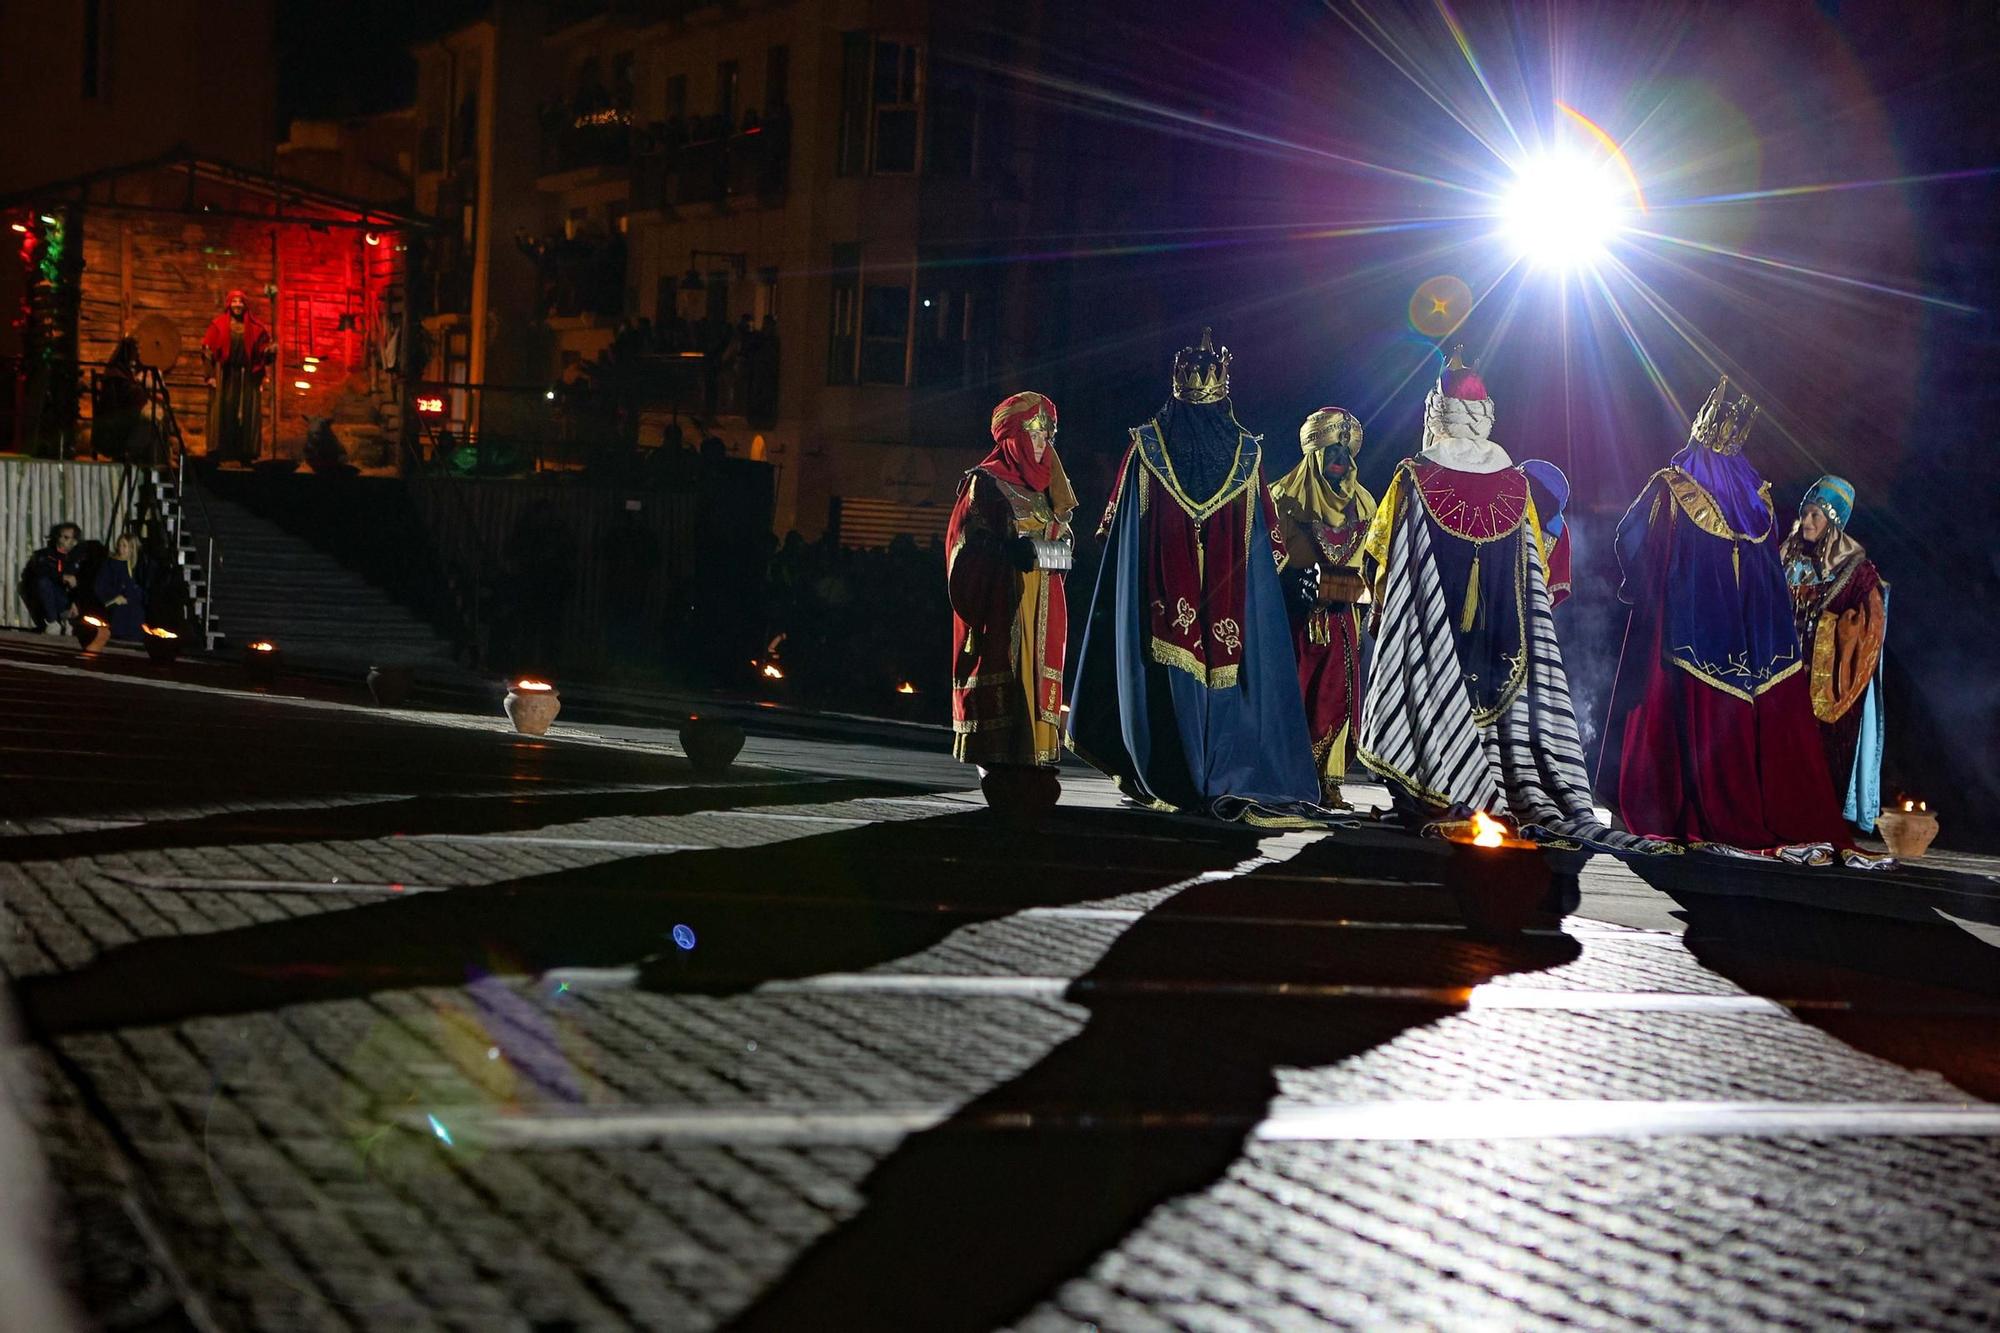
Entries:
{"x":1563,"y":210}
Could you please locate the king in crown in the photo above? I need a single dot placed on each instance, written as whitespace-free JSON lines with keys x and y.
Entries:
{"x":1186,"y":690}
{"x":1712,"y":737}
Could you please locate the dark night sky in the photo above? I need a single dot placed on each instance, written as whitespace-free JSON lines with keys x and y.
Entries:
{"x":352,"y":58}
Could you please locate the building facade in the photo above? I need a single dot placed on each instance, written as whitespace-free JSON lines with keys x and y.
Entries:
{"x":91,"y":84}
{"x":779,"y":225}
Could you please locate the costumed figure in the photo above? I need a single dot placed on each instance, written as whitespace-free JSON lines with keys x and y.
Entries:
{"x":1841,"y":607}
{"x":237,"y":348}
{"x":1323,"y":513}
{"x":1468,"y":703}
{"x":1187,"y":693}
{"x":1712,"y":738}
{"x":1550,"y":489}
{"x":1007,"y":548}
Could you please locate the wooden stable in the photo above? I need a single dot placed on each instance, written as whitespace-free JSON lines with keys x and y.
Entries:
{"x":329,"y":277}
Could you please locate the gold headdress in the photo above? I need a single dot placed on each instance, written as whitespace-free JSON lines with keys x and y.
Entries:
{"x":1328,"y":428}
{"x":1201,"y":374}
{"x":1722,"y":425}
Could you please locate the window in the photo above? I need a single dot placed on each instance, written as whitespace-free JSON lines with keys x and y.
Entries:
{"x":954,"y":332}
{"x":727,"y":77}
{"x":843,"y":310}
{"x":777,"y":79}
{"x":885,"y":334}
{"x":880,"y":104}
{"x":893,"y":97}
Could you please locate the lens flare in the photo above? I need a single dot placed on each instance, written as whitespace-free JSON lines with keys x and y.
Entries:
{"x":1562,"y":210}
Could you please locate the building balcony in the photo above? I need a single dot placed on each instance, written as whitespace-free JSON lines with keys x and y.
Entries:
{"x":577,"y":276}
{"x":585,"y":148}
{"x":749,"y":168}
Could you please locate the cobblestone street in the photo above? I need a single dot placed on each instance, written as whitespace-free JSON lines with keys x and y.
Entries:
{"x":342,"y":1018}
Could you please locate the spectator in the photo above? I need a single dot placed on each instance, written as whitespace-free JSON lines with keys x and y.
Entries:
{"x":118,"y":589}
{"x":50,"y":581}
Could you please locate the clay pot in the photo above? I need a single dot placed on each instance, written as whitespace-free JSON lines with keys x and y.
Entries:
{"x":531,"y":705}
{"x":389,"y":686}
{"x":262,"y":664}
{"x":1908,"y":832}
{"x":92,"y":633}
{"x":1502,"y":890}
{"x":162,"y":645}
{"x":711,"y":745}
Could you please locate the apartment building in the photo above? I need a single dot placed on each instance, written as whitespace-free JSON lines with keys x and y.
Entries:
{"x":803,"y":201}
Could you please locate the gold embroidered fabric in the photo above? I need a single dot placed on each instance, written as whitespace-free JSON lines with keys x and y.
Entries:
{"x":1700,"y":507}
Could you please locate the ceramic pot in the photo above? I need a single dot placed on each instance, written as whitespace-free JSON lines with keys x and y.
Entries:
{"x":162,"y":646}
{"x":90,"y":637}
{"x":261,"y":665}
{"x":531,"y":710}
{"x":1502,"y":890}
{"x":1908,"y":832}
{"x":389,"y":686}
{"x":711,"y":745}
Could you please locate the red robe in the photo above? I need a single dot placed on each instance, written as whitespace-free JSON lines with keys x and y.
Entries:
{"x":1700,"y":759}
{"x":1010,"y":628}
{"x":255,"y":351}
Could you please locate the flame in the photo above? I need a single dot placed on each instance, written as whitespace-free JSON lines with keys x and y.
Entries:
{"x":159,"y":633}
{"x":93,"y":620}
{"x":1486,"y":830}
{"x":906,"y":688}
{"x":533,"y":686}
{"x":263,"y":646}
{"x":772,"y":671}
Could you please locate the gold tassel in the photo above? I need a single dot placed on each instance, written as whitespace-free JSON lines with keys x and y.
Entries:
{"x":1465,"y":617}
{"x":1736,"y":562}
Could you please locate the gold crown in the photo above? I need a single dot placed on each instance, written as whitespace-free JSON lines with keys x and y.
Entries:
{"x":1722,"y":425}
{"x":1201,"y":374}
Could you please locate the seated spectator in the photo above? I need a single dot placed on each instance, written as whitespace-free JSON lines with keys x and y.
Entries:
{"x":118,"y":589}
{"x":49,"y":582}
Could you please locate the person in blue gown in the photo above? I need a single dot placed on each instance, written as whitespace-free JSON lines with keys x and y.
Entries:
{"x":1186,"y":688}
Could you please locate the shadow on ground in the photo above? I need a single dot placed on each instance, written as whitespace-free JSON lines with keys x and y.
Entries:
{"x":969,"y":1225}
{"x":833,"y":902}
{"x":1886,"y":985}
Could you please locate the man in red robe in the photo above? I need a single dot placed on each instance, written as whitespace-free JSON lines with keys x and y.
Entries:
{"x":1323,"y":513}
{"x":237,"y":347}
{"x":1006,"y":550}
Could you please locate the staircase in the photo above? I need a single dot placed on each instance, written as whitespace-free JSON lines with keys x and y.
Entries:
{"x":272,"y":585}
{"x":164,"y":520}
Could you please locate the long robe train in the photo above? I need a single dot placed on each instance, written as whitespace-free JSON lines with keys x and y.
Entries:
{"x":1419,"y":730}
